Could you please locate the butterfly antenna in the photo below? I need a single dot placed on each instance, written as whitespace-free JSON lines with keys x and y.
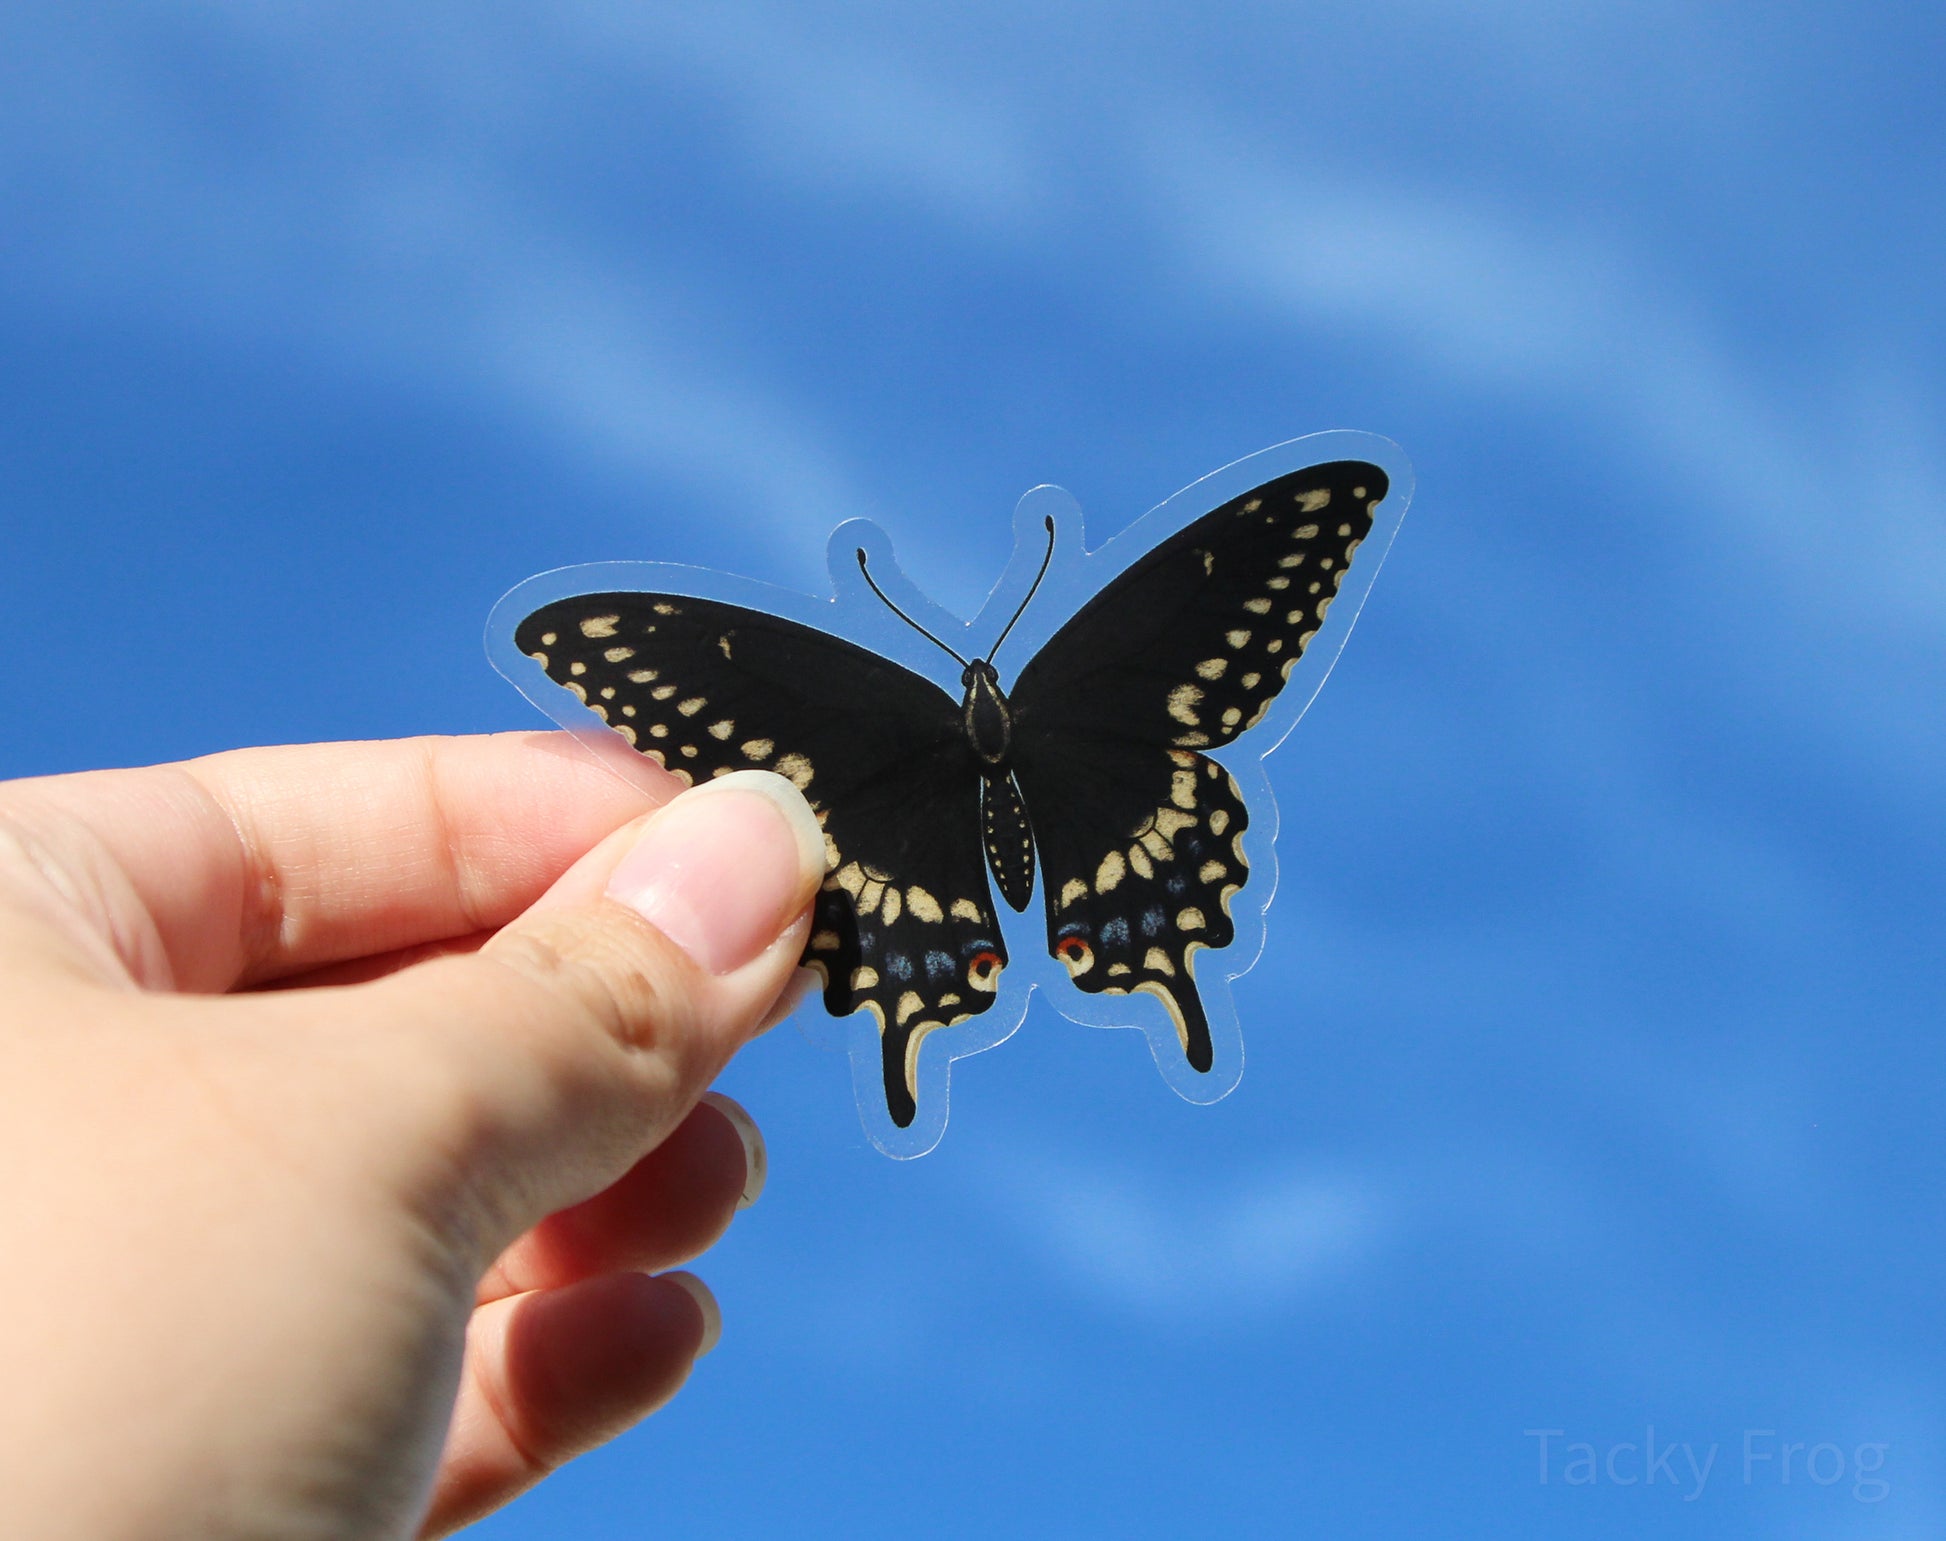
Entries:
{"x":1030,"y":593}
{"x":902,"y":615}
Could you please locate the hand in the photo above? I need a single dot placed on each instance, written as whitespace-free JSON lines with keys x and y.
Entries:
{"x":345,"y":1106}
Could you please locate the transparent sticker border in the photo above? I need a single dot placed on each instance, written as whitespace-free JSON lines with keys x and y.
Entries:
{"x":1075,"y":575}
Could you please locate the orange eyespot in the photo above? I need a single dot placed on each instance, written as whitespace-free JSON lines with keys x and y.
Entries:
{"x":1076,"y":954}
{"x":983,"y":972}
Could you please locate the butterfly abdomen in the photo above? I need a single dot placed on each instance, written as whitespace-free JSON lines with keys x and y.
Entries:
{"x":1008,"y":837}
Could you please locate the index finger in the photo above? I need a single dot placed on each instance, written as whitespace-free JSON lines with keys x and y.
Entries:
{"x":241,"y":868}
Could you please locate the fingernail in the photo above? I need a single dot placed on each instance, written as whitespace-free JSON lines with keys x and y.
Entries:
{"x":698,"y":1291}
{"x":725,"y":867}
{"x":756,"y":1160}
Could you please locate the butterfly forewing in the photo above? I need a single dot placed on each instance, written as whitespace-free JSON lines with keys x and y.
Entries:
{"x":1189,"y":646}
{"x":1183,"y":651}
{"x":904,"y":925}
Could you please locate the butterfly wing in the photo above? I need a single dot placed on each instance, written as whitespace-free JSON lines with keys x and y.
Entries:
{"x":1185,"y":650}
{"x":904,"y":924}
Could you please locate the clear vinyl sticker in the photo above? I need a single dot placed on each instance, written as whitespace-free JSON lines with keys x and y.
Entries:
{"x":1065,"y":793}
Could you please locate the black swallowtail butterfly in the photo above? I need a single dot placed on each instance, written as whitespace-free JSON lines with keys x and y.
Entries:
{"x":1088,"y":774}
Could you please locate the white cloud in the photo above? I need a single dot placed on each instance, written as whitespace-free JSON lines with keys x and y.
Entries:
{"x":1203,"y":1260}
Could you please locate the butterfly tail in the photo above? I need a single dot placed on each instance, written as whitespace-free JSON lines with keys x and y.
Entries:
{"x":1186,"y":1011}
{"x":896,"y":1043}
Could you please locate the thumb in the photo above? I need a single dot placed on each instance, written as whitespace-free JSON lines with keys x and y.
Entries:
{"x":579,"y":1036}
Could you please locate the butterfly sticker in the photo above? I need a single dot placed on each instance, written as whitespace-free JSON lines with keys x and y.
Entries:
{"x":1069,"y":743}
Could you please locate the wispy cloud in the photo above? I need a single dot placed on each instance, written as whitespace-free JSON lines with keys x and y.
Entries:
{"x":1206,"y":1260}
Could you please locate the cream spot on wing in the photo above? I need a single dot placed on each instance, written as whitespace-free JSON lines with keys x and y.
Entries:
{"x":758,"y":749}
{"x":628,"y":711}
{"x":965,"y":909}
{"x":1111,"y":871}
{"x":923,"y":905}
{"x":1236,"y":638}
{"x":825,"y":941}
{"x":1231,"y":716}
{"x":1327,"y":564}
{"x":869,"y":895}
{"x":1116,"y":971}
{"x":539,"y":658}
{"x":1295,"y":559}
{"x":1219,"y":821}
{"x":597,"y":708}
{"x":1209,"y":564}
{"x":890,"y":911}
{"x":1182,"y":704}
{"x":1156,"y":961}
{"x":796,"y":769}
{"x":1253,"y":505}
{"x":1156,"y":844}
{"x":658,"y":730}
{"x":1344,"y":529}
{"x":864,"y":977}
{"x":1170,"y":823}
{"x":722,"y":729}
{"x":577,"y":667}
{"x":692,"y":706}
{"x":1350,"y":549}
{"x":909,"y":1006}
{"x":1072,"y":890}
{"x":1138,"y":859}
{"x":1190,"y":920}
{"x":1193,"y":740}
{"x":599,"y":626}
{"x":1295,"y":617}
{"x":1182,"y":788}
{"x":1305,"y":532}
{"x":580,"y":694}
{"x":662,"y":692}
{"x":549,"y":638}
{"x":664,"y":609}
{"x":1250,"y":681}
{"x":1312,"y":501}
{"x":1358,"y":492}
{"x":723,"y":645}
{"x":1277,"y":585}
{"x":1257,"y":606}
{"x":1314,"y":588}
{"x":626,"y":731}
{"x":1274,"y":645}
{"x":608,"y":692}
{"x":1212,"y":668}
{"x":851,"y":878}
{"x":689,"y":751}
{"x":1304,"y":639}
{"x":641,"y":676}
{"x":830,"y":848}
{"x":619,"y":654}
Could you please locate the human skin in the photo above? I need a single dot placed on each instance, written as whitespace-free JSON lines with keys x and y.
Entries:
{"x":349,"y":1119}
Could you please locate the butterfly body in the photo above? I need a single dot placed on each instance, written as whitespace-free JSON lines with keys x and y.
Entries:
{"x":1090,"y":776}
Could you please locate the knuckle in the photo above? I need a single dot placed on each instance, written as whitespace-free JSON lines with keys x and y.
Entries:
{"x":609,"y":972}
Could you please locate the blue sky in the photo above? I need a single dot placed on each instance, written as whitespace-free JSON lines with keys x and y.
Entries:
{"x":1595,"y":1068}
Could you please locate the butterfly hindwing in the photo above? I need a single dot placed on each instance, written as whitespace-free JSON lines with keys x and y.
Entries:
{"x":1140,"y":855}
{"x":904,"y":925}
{"x":1183,"y":651}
